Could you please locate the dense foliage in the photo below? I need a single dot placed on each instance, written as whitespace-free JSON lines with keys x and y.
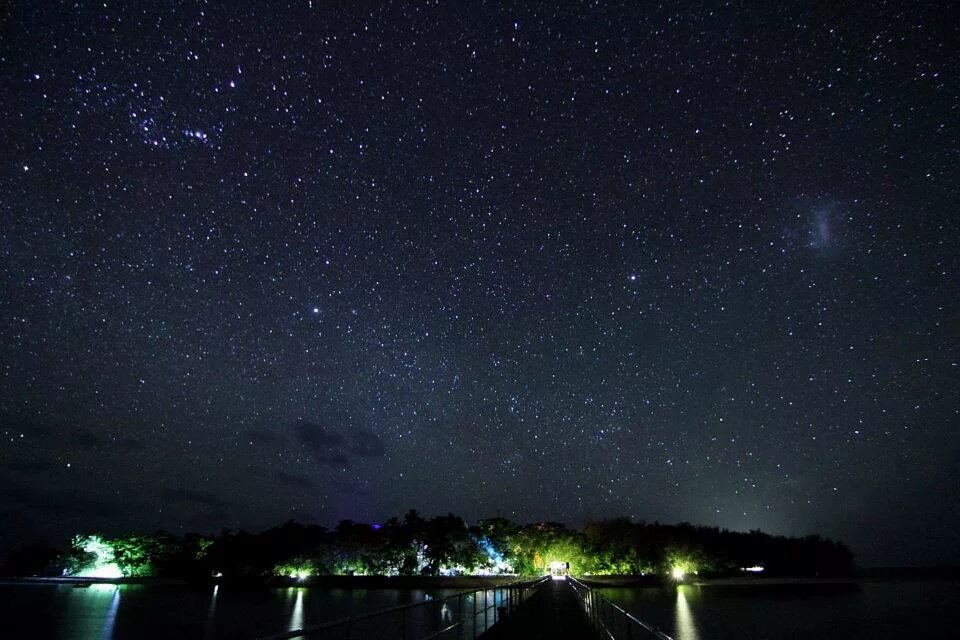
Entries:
{"x":445,"y":545}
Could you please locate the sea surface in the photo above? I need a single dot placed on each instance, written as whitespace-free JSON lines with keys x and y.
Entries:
{"x":878,"y":610}
{"x":140,"y":611}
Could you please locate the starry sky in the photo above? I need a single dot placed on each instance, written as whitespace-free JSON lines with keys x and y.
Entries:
{"x":324,"y":260}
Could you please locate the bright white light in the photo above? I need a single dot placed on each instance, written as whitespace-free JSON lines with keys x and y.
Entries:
{"x":677,"y":573}
{"x":453,"y":570}
{"x":558,"y":570}
{"x":109,"y":570}
{"x":756,"y":569}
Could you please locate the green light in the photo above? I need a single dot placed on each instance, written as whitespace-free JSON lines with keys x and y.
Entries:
{"x":101,"y":563}
{"x":299,"y":571}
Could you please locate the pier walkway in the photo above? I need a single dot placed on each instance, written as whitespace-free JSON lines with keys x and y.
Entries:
{"x":553,"y":612}
{"x":540,"y":609}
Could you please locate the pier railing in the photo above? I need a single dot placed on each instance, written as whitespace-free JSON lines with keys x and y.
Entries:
{"x":463,"y":616}
{"x":610,"y":620}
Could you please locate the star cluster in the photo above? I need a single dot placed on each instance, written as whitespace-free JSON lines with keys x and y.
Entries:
{"x":572,"y":261}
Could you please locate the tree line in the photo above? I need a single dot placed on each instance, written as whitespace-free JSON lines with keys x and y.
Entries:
{"x":443,"y":545}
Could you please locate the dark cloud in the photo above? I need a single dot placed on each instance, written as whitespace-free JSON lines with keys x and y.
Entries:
{"x":60,"y":434}
{"x":333,"y":459}
{"x":69,"y":503}
{"x":333,"y":449}
{"x":192,"y":497}
{"x":292,"y":480}
{"x":317,"y":438}
{"x":325,"y":446}
{"x":339,"y":459}
{"x":366,"y":444}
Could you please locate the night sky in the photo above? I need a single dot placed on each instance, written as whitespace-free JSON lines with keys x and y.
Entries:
{"x":326,"y":260}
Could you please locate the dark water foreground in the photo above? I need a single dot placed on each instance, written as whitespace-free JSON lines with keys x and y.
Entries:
{"x":878,"y":609}
{"x":149,"y":611}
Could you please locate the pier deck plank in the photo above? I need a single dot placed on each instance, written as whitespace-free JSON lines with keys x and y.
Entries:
{"x":552,"y":613}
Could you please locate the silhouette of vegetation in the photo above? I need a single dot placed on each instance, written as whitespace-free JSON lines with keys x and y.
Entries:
{"x":443,"y":545}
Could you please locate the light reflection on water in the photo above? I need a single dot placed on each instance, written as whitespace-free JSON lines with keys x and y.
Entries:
{"x":111,"y":618}
{"x":211,"y":614}
{"x":886,"y":610}
{"x":685,"y":624}
{"x":881,"y":610}
{"x":296,"y":616}
{"x":214,"y":612}
{"x":96,"y":609}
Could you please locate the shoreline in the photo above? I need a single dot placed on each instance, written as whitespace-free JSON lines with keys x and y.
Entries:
{"x":478,"y":582}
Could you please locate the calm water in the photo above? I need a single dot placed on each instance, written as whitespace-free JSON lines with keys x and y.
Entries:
{"x":879,"y":610}
{"x":101,"y":612}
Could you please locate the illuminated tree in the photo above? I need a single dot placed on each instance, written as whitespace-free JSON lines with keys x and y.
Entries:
{"x":91,"y":556}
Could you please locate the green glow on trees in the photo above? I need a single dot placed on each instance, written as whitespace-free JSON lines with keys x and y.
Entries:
{"x":298,"y":570}
{"x":446,"y":546}
{"x":93,"y":557}
{"x":681,"y":563}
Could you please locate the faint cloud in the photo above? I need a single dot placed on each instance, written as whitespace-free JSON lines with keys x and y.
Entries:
{"x":817,"y":228}
{"x":822,"y":229}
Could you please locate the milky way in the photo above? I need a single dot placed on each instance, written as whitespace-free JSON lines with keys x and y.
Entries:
{"x":264,"y":261}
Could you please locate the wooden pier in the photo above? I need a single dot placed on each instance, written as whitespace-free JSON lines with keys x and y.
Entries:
{"x":553,"y":612}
